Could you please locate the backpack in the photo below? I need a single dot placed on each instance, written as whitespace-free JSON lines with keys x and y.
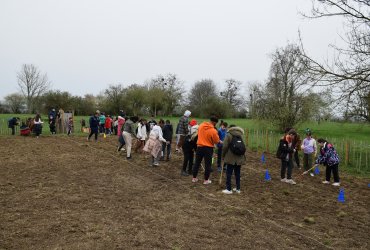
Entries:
{"x":237,"y":146}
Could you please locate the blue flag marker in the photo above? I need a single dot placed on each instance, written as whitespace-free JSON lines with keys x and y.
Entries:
{"x":263,"y":159}
{"x":267,"y":175}
{"x":317,"y":170}
{"x":341,"y":195}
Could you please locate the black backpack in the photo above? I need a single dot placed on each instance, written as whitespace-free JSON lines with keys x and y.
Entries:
{"x":237,"y":145}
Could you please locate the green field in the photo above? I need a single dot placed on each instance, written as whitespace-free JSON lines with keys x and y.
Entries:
{"x":352,"y":140}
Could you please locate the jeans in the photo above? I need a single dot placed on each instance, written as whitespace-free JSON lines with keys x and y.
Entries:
{"x":296,"y":159}
{"x":335,"y":171}
{"x":307,"y":161}
{"x":284,"y":166}
{"x":229,"y":173}
{"x":219,"y":156}
{"x":206,"y":153}
{"x":94,"y":131}
{"x":168,"y":147}
{"x":188,"y":159}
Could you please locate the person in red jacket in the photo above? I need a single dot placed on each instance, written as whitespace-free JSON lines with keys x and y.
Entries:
{"x":108,"y":125}
{"x":207,"y":138}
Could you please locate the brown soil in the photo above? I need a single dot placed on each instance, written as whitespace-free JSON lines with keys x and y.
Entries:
{"x":66,"y":193}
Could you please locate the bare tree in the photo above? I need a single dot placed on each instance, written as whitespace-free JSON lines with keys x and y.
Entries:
{"x":284,"y":100}
{"x":173,"y":91}
{"x":232,"y":94}
{"x":15,"y":102}
{"x":349,"y":70}
{"x":32,"y":84}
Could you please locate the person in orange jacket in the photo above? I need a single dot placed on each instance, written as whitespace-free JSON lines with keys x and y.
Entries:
{"x":207,"y":138}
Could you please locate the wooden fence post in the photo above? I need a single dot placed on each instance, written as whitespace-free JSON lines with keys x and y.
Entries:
{"x":246,"y":137}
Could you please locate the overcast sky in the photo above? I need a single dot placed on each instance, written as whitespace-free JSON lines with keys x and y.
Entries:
{"x":84,"y":46}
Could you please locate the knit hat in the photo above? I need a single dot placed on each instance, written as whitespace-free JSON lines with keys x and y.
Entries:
{"x":187,"y":113}
{"x":308,"y":131}
{"x":193,"y":122}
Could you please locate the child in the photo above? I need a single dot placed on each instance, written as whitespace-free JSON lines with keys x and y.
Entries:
{"x":167,"y":135}
{"x":232,"y":160}
{"x":121,"y":142}
{"x":189,"y":147}
{"x":328,"y":157}
{"x":108,"y":125}
{"x":70,"y":125}
{"x":154,"y":145}
{"x":285,"y":153}
{"x":309,"y":151}
{"x":221,"y":134}
{"x":94,"y":126}
{"x":141,"y":135}
{"x":38,"y":125}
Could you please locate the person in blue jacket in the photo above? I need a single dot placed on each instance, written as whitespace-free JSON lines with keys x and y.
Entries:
{"x":94,"y":126}
{"x":221,"y":133}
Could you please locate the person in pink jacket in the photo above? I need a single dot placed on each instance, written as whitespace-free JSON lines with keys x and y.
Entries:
{"x":121,"y":142}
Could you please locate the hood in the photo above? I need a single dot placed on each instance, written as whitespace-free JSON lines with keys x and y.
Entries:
{"x":194,"y":129}
{"x":207,"y":126}
{"x":187,"y":113}
{"x":236,"y":131}
{"x":121,"y":118}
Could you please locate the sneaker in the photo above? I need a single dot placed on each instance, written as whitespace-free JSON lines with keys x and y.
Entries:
{"x":194,"y":180}
{"x":183,"y":173}
{"x":225,"y":191}
{"x":87,"y":139}
{"x":128,"y":157}
{"x":283,"y":180}
{"x":206,"y":182}
{"x":290,"y":181}
{"x":326,"y":182}
{"x":236,"y":190}
{"x":312,"y":174}
{"x":336,"y":184}
{"x":155,"y":164}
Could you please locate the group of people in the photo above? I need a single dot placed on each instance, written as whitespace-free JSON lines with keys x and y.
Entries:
{"x":287,"y":152}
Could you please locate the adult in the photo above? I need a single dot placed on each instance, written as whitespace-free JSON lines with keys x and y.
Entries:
{"x":285,"y":153}
{"x":128,"y":134}
{"x":94,"y":126}
{"x":207,"y":138}
{"x":309,"y":151}
{"x":141,"y":135}
{"x":183,"y":128}
{"x":151,"y":123}
{"x":232,"y":160}
{"x":328,"y":157}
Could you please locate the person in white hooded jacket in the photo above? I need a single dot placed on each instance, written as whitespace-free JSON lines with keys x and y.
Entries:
{"x":154,"y":144}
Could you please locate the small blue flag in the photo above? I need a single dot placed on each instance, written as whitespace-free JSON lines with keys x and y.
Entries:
{"x":317,"y":170}
{"x":263,"y":159}
{"x":341,"y":195}
{"x":267,"y":175}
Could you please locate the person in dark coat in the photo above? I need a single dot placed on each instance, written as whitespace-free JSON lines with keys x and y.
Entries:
{"x":232,"y":161}
{"x":14,"y":121}
{"x":167,"y":135}
{"x":94,"y":126}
